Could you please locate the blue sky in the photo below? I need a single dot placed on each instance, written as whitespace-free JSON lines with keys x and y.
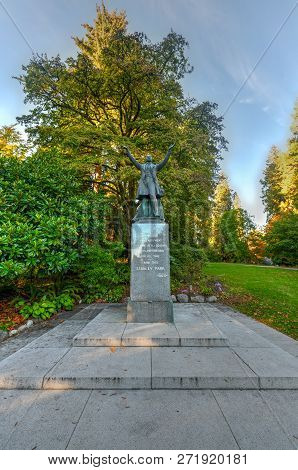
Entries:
{"x":226,"y":38}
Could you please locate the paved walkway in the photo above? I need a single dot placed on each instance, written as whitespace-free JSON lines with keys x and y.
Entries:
{"x":259,"y":412}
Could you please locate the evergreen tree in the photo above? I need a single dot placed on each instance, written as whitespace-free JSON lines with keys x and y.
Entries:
{"x":271,"y":184}
{"x":222,"y":202}
{"x":235,"y":226}
{"x":280,"y":182}
{"x":231,"y":225}
{"x":280,"y":196}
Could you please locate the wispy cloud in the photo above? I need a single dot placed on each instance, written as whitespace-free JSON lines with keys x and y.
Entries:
{"x":248,"y":100}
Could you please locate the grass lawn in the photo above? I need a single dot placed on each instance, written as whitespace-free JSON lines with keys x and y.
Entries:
{"x":269,"y":295}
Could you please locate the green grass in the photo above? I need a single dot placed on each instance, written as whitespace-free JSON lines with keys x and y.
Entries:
{"x":270,"y":295}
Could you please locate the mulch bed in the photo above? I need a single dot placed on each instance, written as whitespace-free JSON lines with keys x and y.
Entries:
{"x":9,"y":316}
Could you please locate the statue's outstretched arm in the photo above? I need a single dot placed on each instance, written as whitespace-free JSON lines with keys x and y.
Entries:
{"x":160,"y":165}
{"x":132,"y":159}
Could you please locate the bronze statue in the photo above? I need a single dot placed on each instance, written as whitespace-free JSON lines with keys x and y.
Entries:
{"x":149,"y":191}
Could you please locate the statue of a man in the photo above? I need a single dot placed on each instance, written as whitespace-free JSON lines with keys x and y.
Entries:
{"x":149,"y":190}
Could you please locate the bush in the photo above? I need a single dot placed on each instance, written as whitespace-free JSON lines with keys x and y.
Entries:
{"x":212,"y":254}
{"x":46,"y":306}
{"x":282,"y":240}
{"x":47,"y":217}
{"x":103,"y":274}
{"x":186,"y":265}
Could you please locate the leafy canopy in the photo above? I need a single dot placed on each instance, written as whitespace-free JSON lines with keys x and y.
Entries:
{"x":122,"y":89}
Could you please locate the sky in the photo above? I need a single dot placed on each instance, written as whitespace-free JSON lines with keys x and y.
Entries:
{"x":226,"y":40}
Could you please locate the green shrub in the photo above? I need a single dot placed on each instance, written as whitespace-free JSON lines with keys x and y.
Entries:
{"x":46,"y":306}
{"x":212,"y":254}
{"x":103,"y":274}
{"x":282,"y":240}
{"x":47,"y":218}
{"x":186,"y":265}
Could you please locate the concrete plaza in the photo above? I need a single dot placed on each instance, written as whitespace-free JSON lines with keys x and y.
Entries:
{"x":215,"y":379}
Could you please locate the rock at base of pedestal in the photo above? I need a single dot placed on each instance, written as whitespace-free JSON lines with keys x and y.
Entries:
{"x":150,"y":312}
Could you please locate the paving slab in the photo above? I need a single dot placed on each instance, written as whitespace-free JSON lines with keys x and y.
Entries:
{"x":273,"y":336}
{"x":14,"y":405}
{"x":189,"y":313}
{"x":97,"y":333}
{"x":113,"y":314}
{"x":200,"y":334}
{"x":88,"y":313}
{"x":263,"y":330}
{"x":59,"y":337}
{"x":195,"y":330}
{"x":199,"y":368}
{"x":99,"y":368}
{"x":150,"y":334}
{"x":251,"y":421}
{"x":290,"y":346}
{"x":213,"y":313}
{"x":284,"y":405}
{"x":275,"y":367}
{"x":152,"y":419}
{"x":26,"y":368}
{"x":49,"y":421}
{"x":239,"y":335}
{"x":13,"y":344}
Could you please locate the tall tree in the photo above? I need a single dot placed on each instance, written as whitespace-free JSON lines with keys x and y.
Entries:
{"x":121,"y":89}
{"x":12,"y":143}
{"x":280,"y":182}
{"x":231,"y":225}
{"x":271,"y":183}
{"x":222,"y":202}
{"x":280,"y":196}
{"x":235,"y":227}
{"x":289,"y":167}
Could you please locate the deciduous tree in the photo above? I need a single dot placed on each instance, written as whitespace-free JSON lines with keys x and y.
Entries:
{"x":122,"y":89}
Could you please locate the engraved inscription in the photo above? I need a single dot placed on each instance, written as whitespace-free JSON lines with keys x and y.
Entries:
{"x":151,"y":257}
{"x":150,"y":267}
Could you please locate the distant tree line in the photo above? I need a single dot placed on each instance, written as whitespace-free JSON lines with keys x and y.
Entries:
{"x":233,"y":235}
{"x":280,"y":197}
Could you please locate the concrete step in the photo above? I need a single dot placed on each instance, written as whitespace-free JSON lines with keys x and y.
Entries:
{"x":192,"y":353}
{"x":149,"y":368}
{"x":193,"y":330}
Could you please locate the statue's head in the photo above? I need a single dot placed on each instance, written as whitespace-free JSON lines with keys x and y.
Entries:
{"x":148,"y":158}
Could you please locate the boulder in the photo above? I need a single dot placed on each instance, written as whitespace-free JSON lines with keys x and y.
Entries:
{"x":218,"y":286}
{"x":211,"y":298}
{"x":197,"y":298}
{"x":13,"y":332}
{"x":182,"y":298}
{"x":22,"y":328}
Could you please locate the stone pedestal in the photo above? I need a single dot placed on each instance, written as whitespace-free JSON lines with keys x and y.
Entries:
{"x":150,"y":295}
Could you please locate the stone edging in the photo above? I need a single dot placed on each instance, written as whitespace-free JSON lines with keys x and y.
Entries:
{"x":184,"y":298}
{"x":8,"y":334}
